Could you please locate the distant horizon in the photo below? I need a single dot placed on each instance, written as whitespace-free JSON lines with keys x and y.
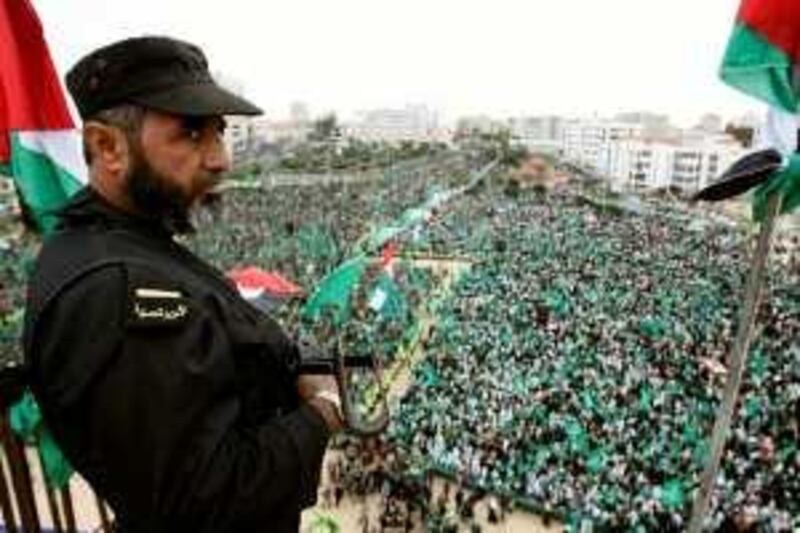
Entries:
{"x":691,"y":122}
{"x":504,"y":58}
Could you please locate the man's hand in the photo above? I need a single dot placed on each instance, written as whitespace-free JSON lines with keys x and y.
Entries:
{"x":309,"y":388}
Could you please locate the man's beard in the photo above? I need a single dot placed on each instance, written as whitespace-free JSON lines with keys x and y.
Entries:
{"x":155,"y":197}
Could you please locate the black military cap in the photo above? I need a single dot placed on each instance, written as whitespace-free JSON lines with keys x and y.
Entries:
{"x":155,"y":72}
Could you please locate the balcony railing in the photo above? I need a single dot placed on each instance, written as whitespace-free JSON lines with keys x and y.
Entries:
{"x":28,"y":504}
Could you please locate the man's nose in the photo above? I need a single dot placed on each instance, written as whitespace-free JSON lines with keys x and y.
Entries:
{"x":217,"y":159}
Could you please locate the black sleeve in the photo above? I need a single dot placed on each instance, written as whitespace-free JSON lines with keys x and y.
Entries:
{"x":149,"y":413}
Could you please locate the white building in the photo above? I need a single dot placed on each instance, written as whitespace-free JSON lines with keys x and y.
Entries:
{"x":539,"y":134}
{"x":481,"y":124}
{"x":245,"y":137}
{"x":238,"y":137}
{"x":413,"y":123}
{"x":588,"y":143}
{"x":629,"y":158}
{"x":690,"y":166}
{"x":654,"y":125}
{"x":285,"y":131}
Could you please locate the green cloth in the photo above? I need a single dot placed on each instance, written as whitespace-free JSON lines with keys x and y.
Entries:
{"x":43,"y":175}
{"x":430,"y":378}
{"x":382,"y":235}
{"x":673,"y":495}
{"x":335,"y":290}
{"x":557,"y":301}
{"x":596,"y":462}
{"x":325,"y":523}
{"x":654,"y":328}
{"x":756,"y":67}
{"x":26,"y":421}
{"x":388,"y":299}
{"x":413,"y":216}
{"x":576,"y":437}
{"x":786,"y":183}
{"x":317,"y":243}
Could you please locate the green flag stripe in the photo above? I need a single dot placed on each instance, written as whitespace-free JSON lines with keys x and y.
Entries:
{"x":44,"y":185}
{"x":335,"y":290}
{"x":785,"y":182}
{"x":756,"y":67}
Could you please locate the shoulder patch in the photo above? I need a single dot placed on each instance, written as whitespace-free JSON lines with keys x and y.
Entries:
{"x":156,"y":307}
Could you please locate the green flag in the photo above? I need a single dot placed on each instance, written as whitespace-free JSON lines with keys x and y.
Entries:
{"x":335,"y":290}
{"x":763,"y":52}
{"x":786,"y":183}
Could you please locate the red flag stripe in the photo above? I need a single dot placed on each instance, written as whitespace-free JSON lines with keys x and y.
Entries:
{"x":31,"y":96}
{"x":253,"y":277}
{"x":778,"y":21}
{"x":388,"y":253}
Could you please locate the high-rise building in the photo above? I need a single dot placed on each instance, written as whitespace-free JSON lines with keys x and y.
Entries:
{"x":412,"y":123}
{"x":238,"y":138}
{"x":537,"y":134}
{"x":629,"y":157}
{"x":587,"y":142}
{"x":643,"y":164}
{"x":654,"y":125}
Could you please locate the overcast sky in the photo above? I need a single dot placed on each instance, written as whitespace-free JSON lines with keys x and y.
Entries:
{"x":499,"y":57}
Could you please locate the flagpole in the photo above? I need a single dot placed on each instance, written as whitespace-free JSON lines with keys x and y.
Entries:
{"x":722,"y":425}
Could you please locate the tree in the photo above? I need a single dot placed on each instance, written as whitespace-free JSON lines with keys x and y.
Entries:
{"x":743,"y":134}
{"x":514,"y":155}
{"x":325,"y":128}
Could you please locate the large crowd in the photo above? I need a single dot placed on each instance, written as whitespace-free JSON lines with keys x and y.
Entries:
{"x":578,"y":365}
{"x":305,"y":232}
{"x":18,"y":249}
{"x":574,"y":369}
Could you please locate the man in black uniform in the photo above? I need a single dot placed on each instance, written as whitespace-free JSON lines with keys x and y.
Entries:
{"x":170,"y":394}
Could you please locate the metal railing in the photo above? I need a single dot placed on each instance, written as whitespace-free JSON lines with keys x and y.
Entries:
{"x":20,"y":477}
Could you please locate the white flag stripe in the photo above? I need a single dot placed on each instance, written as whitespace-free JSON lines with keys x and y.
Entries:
{"x":779,"y":132}
{"x":250,"y":293}
{"x":377,"y":300}
{"x":63,"y":147}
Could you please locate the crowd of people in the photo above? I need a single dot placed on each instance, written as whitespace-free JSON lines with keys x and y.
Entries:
{"x":325,"y":154}
{"x":305,"y":232}
{"x":578,"y":366}
{"x":580,"y":363}
{"x":370,"y":472}
{"x":575,"y":368}
{"x":17,"y":252}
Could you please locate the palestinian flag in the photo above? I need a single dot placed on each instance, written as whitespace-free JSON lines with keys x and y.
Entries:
{"x":39,"y":146}
{"x":781,"y":132}
{"x":763,"y":60}
{"x":763,"y":52}
{"x":334,"y":292}
{"x":265,"y":290}
{"x":386,"y":298}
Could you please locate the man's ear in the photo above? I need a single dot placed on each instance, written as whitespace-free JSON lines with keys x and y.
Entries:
{"x":108,"y":147}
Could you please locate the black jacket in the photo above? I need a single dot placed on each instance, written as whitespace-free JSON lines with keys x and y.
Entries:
{"x":169,"y":393}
